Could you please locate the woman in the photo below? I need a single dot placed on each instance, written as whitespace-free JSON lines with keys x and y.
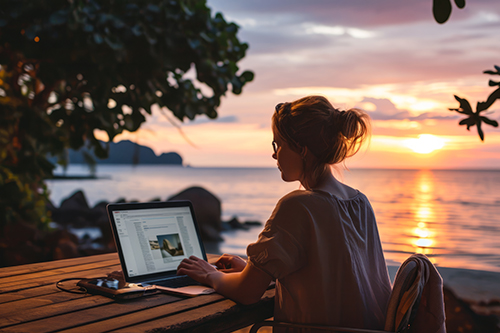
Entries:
{"x":321,"y":243}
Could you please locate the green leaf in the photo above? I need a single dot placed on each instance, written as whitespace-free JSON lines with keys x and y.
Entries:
{"x":98,"y":38}
{"x":59,"y":17}
{"x":153,"y":8}
{"x":113,"y":43}
{"x":88,"y":28}
{"x":247,"y":76}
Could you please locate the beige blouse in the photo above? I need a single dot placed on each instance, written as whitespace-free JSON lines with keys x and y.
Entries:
{"x":326,"y":256}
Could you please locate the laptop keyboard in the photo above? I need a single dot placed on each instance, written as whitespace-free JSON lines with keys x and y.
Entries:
{"x":181,"y":281}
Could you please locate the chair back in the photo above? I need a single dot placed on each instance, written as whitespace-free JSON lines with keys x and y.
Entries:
{"x":406,"y":294}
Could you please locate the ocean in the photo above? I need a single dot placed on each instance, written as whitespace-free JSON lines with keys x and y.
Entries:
{"x":452,"y":216}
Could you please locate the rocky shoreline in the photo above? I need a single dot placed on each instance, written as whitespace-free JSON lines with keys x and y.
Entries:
{"x":472,"y":298}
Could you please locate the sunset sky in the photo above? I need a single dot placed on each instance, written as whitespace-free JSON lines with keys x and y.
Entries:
{"x":388,"y":57}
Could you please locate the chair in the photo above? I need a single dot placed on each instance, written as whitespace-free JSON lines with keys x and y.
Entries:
{"x":403,"y":306}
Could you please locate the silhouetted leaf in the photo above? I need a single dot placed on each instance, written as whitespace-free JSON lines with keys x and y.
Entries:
{"x":481,"y":106}
{"x":492,"y":83}
{"x":465,"y":107}
{"x":491,"y":122}
{"x":467,"y":121}
{"x":441,"y":9}
{"x":460,"y":3}
{"x":480,"y":131}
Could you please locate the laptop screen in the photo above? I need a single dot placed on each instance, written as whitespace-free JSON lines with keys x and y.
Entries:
{"x":154,"y":239}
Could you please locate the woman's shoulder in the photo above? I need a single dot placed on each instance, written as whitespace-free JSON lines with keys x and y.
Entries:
{"x":305,"y":198}
{"x":297,"y":195}
{"x":299,"y":198}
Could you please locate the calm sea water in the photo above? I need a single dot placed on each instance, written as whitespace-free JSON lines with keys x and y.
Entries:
{"x":450,"y":215}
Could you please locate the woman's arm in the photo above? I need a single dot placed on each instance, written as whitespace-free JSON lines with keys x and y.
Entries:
{"x":244,"y":287}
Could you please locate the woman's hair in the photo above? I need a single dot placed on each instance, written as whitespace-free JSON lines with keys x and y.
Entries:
{"x":329,"y":134}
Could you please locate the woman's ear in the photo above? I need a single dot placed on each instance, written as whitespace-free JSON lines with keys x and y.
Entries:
{"x":303,"y":152}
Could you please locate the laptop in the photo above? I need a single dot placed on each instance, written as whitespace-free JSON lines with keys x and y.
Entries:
{"x":152,"y":238}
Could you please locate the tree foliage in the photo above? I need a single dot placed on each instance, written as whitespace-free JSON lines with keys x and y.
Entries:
{"x":71,"y":67}
{"x":441,"y":10}
{"x":474,"y":117}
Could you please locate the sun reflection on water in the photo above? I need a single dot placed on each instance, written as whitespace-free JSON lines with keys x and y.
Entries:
{"x":424,"y":238}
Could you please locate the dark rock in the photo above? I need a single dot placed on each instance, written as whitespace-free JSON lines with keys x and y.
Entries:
{"x":253,"y":223}
{"x":77,"y":201}
{"x":460,"y":318}
{"x":106,"y":240}
{"x":234,"y":223}
{"x":62,"y":244}
{"x":73,"y":210}
{"x":99,"y":209}
{"x":207,"y":209}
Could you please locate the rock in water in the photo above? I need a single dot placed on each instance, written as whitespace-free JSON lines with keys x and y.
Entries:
{"x":207,"y":209}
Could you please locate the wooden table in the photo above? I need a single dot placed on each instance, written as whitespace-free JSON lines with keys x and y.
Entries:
{"x":30,"y":302}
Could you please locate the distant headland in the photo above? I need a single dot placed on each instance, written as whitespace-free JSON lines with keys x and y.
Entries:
{"x":124,"y":152}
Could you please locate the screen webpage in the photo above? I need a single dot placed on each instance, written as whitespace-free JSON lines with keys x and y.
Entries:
{"x":156,"y":240}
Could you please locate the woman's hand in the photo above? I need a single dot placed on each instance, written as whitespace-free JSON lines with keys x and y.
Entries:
{"x":196,"y":268}
{"x":245,"y":285}
{"x":228,"y":263}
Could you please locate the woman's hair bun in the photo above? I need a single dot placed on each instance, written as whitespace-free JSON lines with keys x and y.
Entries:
{"x":329,"y":134}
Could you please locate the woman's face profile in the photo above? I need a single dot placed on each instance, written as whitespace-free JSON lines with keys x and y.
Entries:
{"x":289,"y":162}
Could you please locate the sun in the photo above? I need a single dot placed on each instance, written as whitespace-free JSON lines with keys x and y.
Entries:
{"x":425,"y":144}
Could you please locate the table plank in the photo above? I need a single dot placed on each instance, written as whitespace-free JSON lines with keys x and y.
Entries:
{"x":52,"y":279}
{"x":83,"y":312}
{"x":35,"y":292}
{"x":133,"y":318}
{"x":43,"y":266}
{"x":48,"y":296}
{"x":58,"y":271}
{"x":188,"y":310}
{"x":21,"y":316}
{"x":212,"y":317}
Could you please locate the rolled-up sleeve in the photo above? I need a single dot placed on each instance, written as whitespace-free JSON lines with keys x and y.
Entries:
{"x":280,"y":248}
